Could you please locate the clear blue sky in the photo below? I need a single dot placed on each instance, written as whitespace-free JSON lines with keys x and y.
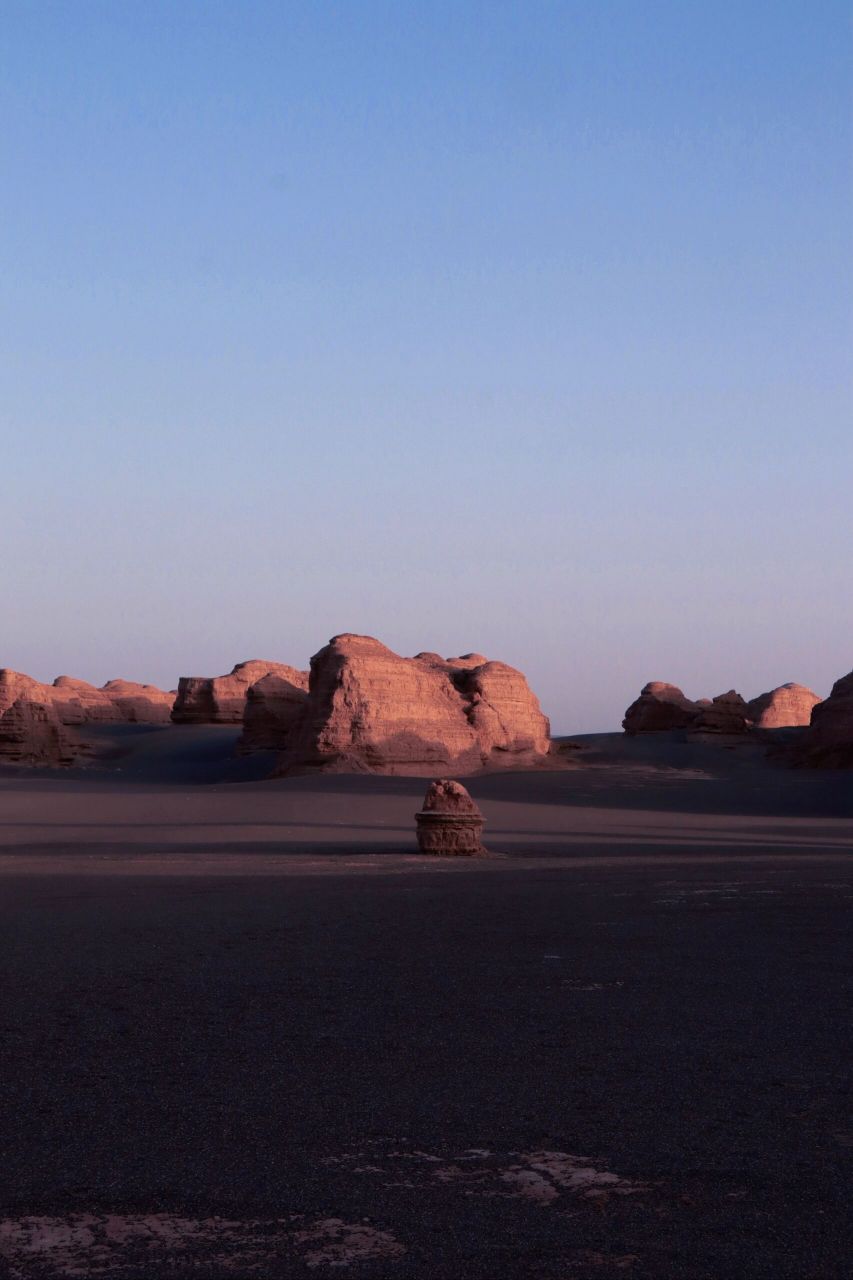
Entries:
{"x":518,"y":327}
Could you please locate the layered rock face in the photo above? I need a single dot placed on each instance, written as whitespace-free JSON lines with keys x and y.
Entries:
{"x":829,"y":740}
{"x":785,"y":707}
{"x":15,"y":685}
{"x":369,"y":710}
{"x":222,"y":699}
{"x":273,"y":707}
{"x":31,"y":732}
{"x":77,"y":702}
{"x":660,"y":706}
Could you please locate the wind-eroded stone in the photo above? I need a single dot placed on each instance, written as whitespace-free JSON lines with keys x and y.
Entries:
{"x":450,"y":824}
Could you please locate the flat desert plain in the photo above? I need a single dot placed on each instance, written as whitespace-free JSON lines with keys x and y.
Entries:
{"x":248,"y":1031}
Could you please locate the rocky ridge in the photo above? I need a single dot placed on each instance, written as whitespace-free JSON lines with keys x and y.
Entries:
{"x":76,"y":702}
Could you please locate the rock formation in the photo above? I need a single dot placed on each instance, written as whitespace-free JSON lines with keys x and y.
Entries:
{"x":829,"y":740}
{"x":273,"y":707}
{"x":31,"y":732}
{"x":450,"y":824}
{"x":782,"y":708}
{"x":222,"y":699}
{"x":727,"y":715}
{"x":369,"y":710}
{"x":139,"y":703}
{"x":661,"y":706}
{"x":77,"y":702}
{"x":15,"y":685}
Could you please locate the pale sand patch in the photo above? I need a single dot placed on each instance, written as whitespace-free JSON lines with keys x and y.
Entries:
{"x":539,"y":1176}
{"x":138,"y":1246}
{"x":337,"y":1243}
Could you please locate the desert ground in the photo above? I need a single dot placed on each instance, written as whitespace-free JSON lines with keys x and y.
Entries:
{"x":247,"y":1030}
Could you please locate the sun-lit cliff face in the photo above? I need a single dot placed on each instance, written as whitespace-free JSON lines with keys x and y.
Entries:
{"x":370,"y":710}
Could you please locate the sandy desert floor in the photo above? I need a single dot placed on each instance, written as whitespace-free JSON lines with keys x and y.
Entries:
{"x":248,"y":1031}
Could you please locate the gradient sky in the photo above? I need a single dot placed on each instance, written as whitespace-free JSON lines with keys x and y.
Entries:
{"x":517,"y":327}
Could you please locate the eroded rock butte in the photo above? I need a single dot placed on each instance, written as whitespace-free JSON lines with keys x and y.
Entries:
{"x":370,"y":710}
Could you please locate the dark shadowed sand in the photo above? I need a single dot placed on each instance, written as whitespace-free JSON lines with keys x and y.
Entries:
{"x":248,"y":1031}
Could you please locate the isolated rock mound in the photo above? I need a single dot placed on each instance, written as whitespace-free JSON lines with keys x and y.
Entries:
{"x":450,"y":824}
{"x":786,"y":707}
{"x":273,"y":707}
{"x":78,"y":702}
{"x":370,"y":710}
{"x":32,"y":733}
{"x":222,"y":699}
{"x":660,"y":707}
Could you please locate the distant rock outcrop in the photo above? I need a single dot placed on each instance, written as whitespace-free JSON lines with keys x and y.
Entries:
{"x":139,"y":703}
{"x":370,"y":710}
{"x":77,"y":702}
{"x":663,"y":706}
{"x":783,"y":708}
{"x":273,"y":707}
{"x":222,"y":699}
{"x":727,"y":715}
{"x":660,"y":706}
{"x":32,"y":733}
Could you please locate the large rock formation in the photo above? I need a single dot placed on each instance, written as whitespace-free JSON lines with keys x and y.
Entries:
{"x":661,"y":706}
{"x":273,"y":707}
{"x":77,"y":702}
{"x":222,"y":699}
{"x":369,"y":710}
{"x":31,"y":732}
{"x":785,"y":707}
{"x":829,"y":740}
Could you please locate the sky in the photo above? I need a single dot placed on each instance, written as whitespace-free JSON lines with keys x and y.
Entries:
{"x":522,"y":328}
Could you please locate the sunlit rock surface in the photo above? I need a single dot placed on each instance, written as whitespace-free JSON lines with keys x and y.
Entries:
{"x":222,"y":699}
{"x":370,"y":710}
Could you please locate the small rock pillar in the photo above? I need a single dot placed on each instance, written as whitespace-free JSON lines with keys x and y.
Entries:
{"x":450,"y":825}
